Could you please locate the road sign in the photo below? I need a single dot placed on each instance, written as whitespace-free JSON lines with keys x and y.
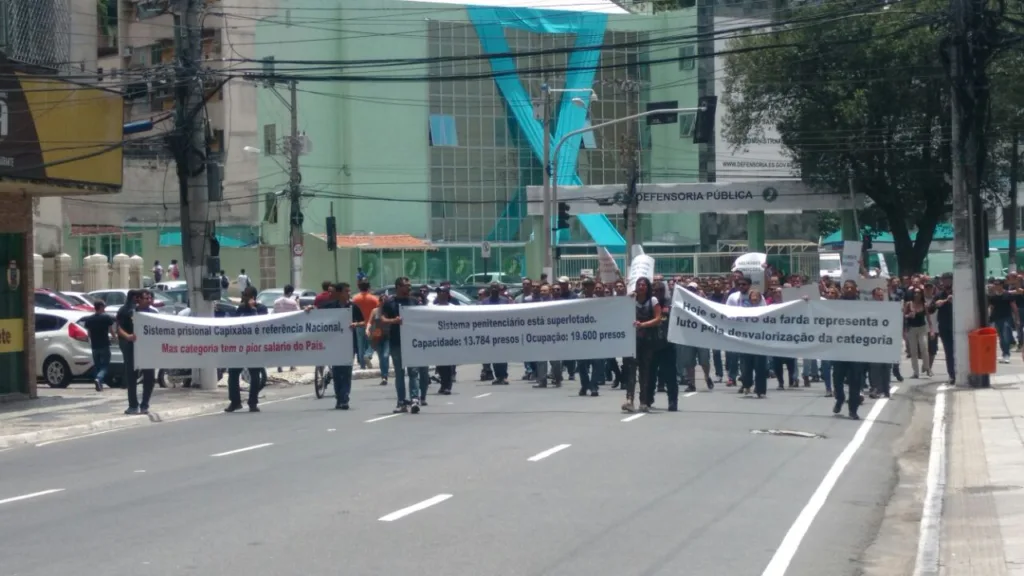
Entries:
{"x":485,"y":249}
{"x":297,"y":249}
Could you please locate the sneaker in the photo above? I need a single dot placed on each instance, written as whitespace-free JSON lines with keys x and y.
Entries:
{"x":423,"y":401}
{"x":233,"y":408}
{"x":343,"y":406}
{"x":400,"y":409}
{"x":384,"y":382}
{"x":415,"y":408}
{"x":254,"y":409}
{"x":131,"y":411}
{"x":593,"y":393}
{"x":99,"y":386}
{"x":709,"y":382}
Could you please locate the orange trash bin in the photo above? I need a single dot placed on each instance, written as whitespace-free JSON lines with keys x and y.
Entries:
{"x":983,"y":348}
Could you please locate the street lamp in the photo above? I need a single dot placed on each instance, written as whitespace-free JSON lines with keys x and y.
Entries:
{"x":546,"y":119}
{"x":551,"y":200}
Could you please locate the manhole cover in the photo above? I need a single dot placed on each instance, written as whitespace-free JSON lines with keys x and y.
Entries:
{"x":990,"y":489}
{"x":794,"y":433}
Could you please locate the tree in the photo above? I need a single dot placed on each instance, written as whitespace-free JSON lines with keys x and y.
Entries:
{"x":859,"y":98}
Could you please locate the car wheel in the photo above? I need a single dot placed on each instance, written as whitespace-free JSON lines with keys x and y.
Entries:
{"x":56,"y":372}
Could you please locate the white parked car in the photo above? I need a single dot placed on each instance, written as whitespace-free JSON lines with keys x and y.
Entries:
{"x":170,"y":285}
{"x":267,"y":297}
{"x":63,"y":352}
{"x":116,"y":297}
{"x":79,"y":298}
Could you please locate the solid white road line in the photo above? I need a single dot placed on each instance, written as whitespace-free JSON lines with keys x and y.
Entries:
{"x":482,"y":395}
{"x":931,"y":519}
{"x":415,"y":508}
{"x":240,"y":450}
{"x":548,"y":452}
{"x":32,"y":495}
{"x":378,"y":419}
{"x":634,"y":417}
{"x":787,"y":549}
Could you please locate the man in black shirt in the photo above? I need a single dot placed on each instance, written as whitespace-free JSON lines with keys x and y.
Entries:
{"x":391,"y":315}
{"x":845,"y":372}
{"x":943,"y":305}
{"x":137,"y":301}
{"x":248,"y":307}
{"x":343,"y":374}
{"x":100,"y":327}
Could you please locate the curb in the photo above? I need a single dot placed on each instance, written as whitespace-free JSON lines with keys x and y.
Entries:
{"x":39,"y":436}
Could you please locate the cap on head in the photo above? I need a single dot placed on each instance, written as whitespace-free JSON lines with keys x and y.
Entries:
{"x":563,"y":279}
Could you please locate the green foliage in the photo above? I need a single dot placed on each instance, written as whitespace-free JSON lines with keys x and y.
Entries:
{"x":857,"y":97}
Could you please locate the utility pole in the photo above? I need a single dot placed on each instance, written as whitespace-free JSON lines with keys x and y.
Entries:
{"x":1012,"y":220}
{"x":968,"y":58}
{"x":294,"y":187}
{"x":191,"y":154}
{"x":549,"y":252}
{"x":630,"y":160}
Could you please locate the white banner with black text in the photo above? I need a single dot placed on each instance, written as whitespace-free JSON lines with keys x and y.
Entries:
{"x":580,"y":329}
{"x":316,"y":338}
{"x":813,"y":329}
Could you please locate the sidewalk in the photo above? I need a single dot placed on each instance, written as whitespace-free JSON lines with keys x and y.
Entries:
{"x":79,"y":409}
{"x":983,"y":508}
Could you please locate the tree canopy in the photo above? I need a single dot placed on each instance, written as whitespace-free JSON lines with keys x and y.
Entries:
{"x":859,"y":98}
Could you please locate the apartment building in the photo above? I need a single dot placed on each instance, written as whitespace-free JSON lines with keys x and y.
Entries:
{"x":135,"y":54}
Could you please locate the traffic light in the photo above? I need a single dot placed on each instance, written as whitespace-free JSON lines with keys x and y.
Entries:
{"x":563,"y":216}
{"x":332,"y":234}
{"x":704,"y":125}
{"x":866,"y":242}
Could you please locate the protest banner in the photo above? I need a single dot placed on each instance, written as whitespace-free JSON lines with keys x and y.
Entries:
{"x":752,"y":265}
{"x":642,"y":266}
{"x":607,"y":267}
{"x":851,"y":260}
{"x":809,"y":291}
{"x":865,"y":286}
{"x":580,"y":329}
{"x":817,"y":329}
{"x":320,"y":337}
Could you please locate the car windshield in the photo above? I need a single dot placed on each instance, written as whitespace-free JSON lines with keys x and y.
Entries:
{"x":163,"y":297}
{"x":71,"y":299}
{"x":180,"y":296}
{"x":267,"y":298}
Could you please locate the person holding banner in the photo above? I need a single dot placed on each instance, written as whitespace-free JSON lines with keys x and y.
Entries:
{"x":648,"y":317}
{"x":342,"y":374}
{"x":849,"y":373}
{"x":391,"y":316}
{"x":753,"y":367}
{"x":248,"y":307}
{"x":664,"y":366}
{"x":591,"y":371}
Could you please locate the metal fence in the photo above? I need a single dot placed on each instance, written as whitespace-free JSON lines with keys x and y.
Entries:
{"x":697,"y":263}
{"x":37,"y":32}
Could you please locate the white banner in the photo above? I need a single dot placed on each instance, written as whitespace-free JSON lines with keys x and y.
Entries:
{"x":642,"y":266}
{"x":580,"y":329}
{"x":740,"y":197}
{"x":607,"y":268}
{"x":851,"y":260}
{"x":317,"y":338}
{"x":816,"y":329}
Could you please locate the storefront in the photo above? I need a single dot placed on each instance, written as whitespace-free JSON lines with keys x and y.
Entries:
{"x":57,"y":138}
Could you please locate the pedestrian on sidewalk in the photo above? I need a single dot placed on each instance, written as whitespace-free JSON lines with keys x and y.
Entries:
{"x":100,"y":327}
{"x":138,"y":301}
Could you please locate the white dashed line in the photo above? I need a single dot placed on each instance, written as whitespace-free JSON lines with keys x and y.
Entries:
{"x":688,"y":394}
{"x":240,"y":450}
{"x":372,"y":420}
{"x":32,"y":495}
{"x":548,"y":452}
{"x":332,"y":429}
{"x":634,"y":417}
{"x":415,"y":508}
{"x":482,"y":395}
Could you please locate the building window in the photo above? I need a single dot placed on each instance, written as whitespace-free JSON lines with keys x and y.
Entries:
{"x":686,"y":122}
{"x":270,"y":139}
{"x":442,"y":130}
{"x":686,"y":60}
{"x":589,"y":142}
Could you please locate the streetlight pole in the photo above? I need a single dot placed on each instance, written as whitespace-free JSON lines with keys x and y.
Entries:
{"x":564,"y":139}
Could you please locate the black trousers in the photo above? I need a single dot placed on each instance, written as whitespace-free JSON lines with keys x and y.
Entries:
{"x":131,"y":380}
{"x":880,"y":377}
{"x":851,"y":374}
{"x":789,"y":364}
{"x":665,"y":369}
{"x":947,"y":347}
{"x":444,"y":374}
{"x":754,"y":372}
{"x":235,"y":387}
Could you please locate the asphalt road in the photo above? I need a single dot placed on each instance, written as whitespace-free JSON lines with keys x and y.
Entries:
{"x":303,"y":489}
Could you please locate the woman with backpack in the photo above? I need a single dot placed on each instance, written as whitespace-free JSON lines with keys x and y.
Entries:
{"x":648,"y":318}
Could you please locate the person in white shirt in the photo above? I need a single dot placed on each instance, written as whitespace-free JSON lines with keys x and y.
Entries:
{"x":753,"y":367}
{"x":243,"y":280}
{"x":286,"y":303}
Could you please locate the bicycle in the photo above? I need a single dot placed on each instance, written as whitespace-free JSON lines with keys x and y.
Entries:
{"x":322,"y":376}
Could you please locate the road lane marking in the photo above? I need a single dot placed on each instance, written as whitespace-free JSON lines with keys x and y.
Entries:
{"x":548,"y":452}
{"x":415,"y":508}
{"x":688,"y":394}
{"x":482,"y":395}
{"x":791,"y":543}
{"x":372,"y":420}
{"x":240,"y":450}
{"x":634,"y":417}
{"x":927,"y":561}
{"x":332,"y":429}
{"x":32,"y":495}
{"x":893,"y":390}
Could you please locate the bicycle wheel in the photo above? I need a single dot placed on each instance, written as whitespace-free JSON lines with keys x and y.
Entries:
{"x":319,"y":383}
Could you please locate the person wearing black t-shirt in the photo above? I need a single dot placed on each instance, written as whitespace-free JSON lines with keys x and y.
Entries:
{"x":845,"y":372}
{"x":248,"y":307}
{"x":137,"y":301}
{"x":1003,"y":314}
{"x":391,"y":315}
{"x":343,"y":374}
{"x":943,"y":304}
{"x":100,"y":327}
